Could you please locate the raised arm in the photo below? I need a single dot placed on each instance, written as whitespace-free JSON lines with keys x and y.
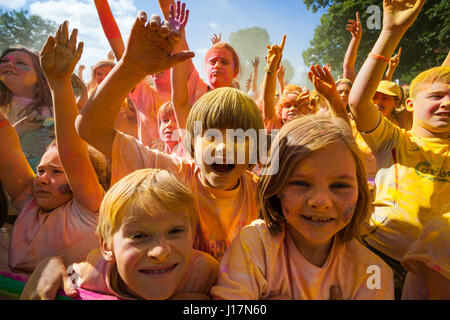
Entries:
{"x":58,"y":58}
{"x":255,"y":65}
{"x":274,"y":54}
{"x":110,"y":28}
{"x":164,"y":5}
{"x":180,"y":95}
{"x":280,"y":75}
{"x":393,"y":64}
{"x":324,"y":84}
{"x":148,"y":51}
{"x":15,"y":172}
{"x":397,"y":17}
{"x":355,"y":29}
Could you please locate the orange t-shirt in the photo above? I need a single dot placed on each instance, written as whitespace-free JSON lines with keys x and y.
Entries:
{"x":97,"y":274}
{"x":147,"y":101}
{"x":67,"y":231}
{"x":259,"y":266}
{"x":222,"y":213}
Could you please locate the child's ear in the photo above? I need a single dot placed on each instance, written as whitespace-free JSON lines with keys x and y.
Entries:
{"x":106,"y":250}
{"x":409,"y":104}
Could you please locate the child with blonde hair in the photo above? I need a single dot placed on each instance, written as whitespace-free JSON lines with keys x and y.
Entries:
{"x":146,"y":227}
{"x":221,"y":184}
{"x":306,"y":246}
{"x":410,"y":224}
{"x":58,"y":205}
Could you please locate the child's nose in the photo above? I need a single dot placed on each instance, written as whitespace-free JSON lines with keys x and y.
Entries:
{"x":160,"y":251}
{"x":320,"y":200}
{"x":43,"y":178}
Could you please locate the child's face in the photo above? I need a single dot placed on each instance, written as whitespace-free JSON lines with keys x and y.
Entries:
{"x":320,"y":197}
{"x":162,"y":81}
{"x":220,"y":68}
{"x":292,"y":110}
{"x":168,"y":127}
{"x":432,"y":107}
{"x":384,"y":103}
{"x":344,"y":92}
{"x":50,"y":187}
{"x":220,"y":161}
{"x":16,"y":68}
{"x":152,"y":253}
{"x":101,"y":73}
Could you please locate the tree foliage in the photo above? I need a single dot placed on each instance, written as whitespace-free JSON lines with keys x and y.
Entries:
{"x":21,"y":28}
{"x":425,"y":44}
{"x":250,"y":43}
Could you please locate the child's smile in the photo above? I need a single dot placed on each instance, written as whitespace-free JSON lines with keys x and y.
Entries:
{"x":319,"y":199}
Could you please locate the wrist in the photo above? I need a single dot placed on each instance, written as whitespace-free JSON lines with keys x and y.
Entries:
{"x":56,"y":84}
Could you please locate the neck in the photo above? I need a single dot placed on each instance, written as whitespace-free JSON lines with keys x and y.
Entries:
{"x":314,"y":253}
{"x":23,"y":91}
{"x":420,"y":131}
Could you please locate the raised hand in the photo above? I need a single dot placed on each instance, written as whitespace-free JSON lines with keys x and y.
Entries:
{"x":255,"y":63}
{"x":216,"y":38}
{"x":395,"y":60}
{"x":150,"y":45}
{"x":355,"y":27}
{"x":178,"y":19}
{"x":323,"y":82}
{"x":281,"y":71}
{"x":398,"y":15}
{"x":274,"y":53}
{"x":60,"y":54}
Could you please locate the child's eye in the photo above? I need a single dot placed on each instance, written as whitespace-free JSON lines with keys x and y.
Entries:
{"x":340,"y":185}
{"x":177,"y":230}
{"x":137,"y":235}
{"x":299,"y":183}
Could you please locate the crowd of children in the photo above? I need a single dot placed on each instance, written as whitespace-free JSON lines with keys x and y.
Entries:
{"x":163,"y":186}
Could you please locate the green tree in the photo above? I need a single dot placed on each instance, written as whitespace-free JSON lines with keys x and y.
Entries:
{"x":425,"y":44}
{"x":250,"y":43}
{"x":21,"y":28}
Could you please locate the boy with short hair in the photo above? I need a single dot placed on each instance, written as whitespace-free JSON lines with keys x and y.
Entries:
{"x":412,"y":185}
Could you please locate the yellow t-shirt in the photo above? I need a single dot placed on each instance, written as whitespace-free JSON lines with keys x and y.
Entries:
{"x":258,"y":266}
{"x":413,"y":186}
{"x":221,"y":213}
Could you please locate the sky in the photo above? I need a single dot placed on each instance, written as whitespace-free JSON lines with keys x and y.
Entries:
{"x":207,"y":17}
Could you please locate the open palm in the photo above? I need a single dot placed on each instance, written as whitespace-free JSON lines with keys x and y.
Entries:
{"x":60,"y":54}
{"x":400,"y":14}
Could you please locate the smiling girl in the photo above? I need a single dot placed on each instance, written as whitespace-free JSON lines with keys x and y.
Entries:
{"x":306,"y":247}
{"x":26,"y":101}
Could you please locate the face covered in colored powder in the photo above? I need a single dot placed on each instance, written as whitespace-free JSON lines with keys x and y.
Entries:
{"x":168,"y":129}
{"x":221,"y":161}
{"x":50,"y":187}
{"x":162,"y":81}
{"x":101,"y":73}
{"x":152,"y":252}
{"x":220,"y":68}
{"x":17,"y":71}
{"x":320,"y":196}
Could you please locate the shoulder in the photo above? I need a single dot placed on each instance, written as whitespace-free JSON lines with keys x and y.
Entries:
{"x":257,"y":235}
{"x":362,"y":258}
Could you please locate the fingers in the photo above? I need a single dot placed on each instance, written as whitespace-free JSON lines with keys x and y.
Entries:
{"x":79,"y":51}
{"x":165,"y":29}
{"x":180,"y":57}
{"x":142,"y":17}
{"x":358,"y":20}
{"x":399,"y":52}
{"x":62,"y":35}
{"x":72,"y":43}
{"x":283,"y":42}
{"x":155,"y":22}
{"x":48,"y":46}
{"x":68,"y":286}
